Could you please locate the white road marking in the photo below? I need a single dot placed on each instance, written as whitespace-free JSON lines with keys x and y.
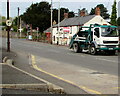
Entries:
{"x":55,"y":51}
{"x":107,"y":60}
{"x":29,"y":74}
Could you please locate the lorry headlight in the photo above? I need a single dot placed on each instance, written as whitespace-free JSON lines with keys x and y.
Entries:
{"x":117,"y":46}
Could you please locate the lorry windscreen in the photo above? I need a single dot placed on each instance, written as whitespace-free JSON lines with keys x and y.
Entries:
{"x":109,"y":32}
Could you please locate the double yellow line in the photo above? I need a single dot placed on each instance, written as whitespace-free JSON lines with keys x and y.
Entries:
{"x":82,"y":87}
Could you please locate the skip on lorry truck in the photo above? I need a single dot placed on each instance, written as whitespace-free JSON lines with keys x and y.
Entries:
{"x":96,"y":38}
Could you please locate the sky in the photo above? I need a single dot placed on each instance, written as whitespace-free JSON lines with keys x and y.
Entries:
{"x":72,"y":5}
{"x":119,"y":9}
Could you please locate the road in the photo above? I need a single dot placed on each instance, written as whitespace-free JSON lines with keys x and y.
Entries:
{"x":100,"y":64}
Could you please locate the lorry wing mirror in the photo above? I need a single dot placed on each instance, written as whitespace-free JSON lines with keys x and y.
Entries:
{"x":108,"y":29}
{"x":96,"y":29}
{"x":96,"y":32}
{"x":80,"y":28}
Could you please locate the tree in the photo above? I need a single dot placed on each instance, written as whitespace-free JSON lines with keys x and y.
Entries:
{"x":103,"y":10}
{"x":114,"y":14}
{"x":62,"y":11}
{"x":118,"y":21}
{"x":38,"y":15}
{"x":84,"y":10}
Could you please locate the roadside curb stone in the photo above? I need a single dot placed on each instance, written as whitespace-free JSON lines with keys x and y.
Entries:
{"x":4,"y":59}
{"x":47,"y":87}
{"x":10,"y":61}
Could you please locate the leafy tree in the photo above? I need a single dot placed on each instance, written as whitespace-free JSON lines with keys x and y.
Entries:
{"x":118,"y":21}
{"x":114,"y":14}
{"x":3,"y":23}
{"x":84,"y":10}
{"x":38,"y":15}
{"x":103,"y":10}
{"x":15,"y":21}
{"x":71,"y":14}
{"x":62,"y":11}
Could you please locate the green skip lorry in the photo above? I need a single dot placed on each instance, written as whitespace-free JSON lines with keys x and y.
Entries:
{"x":96,"y":38}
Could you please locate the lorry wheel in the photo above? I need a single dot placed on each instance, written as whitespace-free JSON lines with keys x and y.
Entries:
{"x":76,"y":47}
{"x":93,"y":50}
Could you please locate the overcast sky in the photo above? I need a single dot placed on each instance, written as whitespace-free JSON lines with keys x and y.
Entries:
{"x":119,"y":9}
{"x":72,"y":5}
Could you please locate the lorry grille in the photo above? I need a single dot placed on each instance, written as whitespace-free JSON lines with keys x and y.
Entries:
{"x":111,"y":46}
{"x":110,"y":41}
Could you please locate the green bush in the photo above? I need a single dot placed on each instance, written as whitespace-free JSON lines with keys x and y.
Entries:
{"x":15,"y":28}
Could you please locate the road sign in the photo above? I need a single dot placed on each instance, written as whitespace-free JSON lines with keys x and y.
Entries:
{"x":8,"y":22}
{"x":66,"y":29}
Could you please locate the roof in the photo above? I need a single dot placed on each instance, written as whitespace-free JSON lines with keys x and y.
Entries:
{"x":74,"y":21}
{"x":47,"y":30}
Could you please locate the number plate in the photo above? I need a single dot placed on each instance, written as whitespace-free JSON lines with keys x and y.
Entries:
{"x":110,"y":48}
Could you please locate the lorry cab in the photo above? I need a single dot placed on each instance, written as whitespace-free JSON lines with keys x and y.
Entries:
{"x":106,"y":38}
{"x":96,"y":38}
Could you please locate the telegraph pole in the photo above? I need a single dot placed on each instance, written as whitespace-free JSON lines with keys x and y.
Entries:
{"x":8,"y":29}
{"x":51,"y":22}
{"x":58,"y":22}
{"x":18,"y":23}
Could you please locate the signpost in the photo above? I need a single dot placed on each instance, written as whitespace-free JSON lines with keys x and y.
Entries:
{"x":66,"y":29}
{"x":37,"y":32}
{"x":8,"y":23}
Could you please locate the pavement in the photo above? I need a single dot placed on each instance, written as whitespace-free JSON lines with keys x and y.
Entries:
{"x":18,"y":81}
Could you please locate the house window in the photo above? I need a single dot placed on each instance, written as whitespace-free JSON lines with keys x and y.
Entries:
{"x":54,"y":38}
{"x":71,"y":31}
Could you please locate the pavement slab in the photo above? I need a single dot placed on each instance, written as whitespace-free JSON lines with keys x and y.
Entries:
{"x":13,"y":76}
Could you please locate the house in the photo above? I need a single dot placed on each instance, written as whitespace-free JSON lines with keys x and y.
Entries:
{"x":48,"y":34}
{"x":63,"y":32}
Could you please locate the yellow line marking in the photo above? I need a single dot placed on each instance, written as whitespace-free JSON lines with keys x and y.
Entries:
{"x":70,"y":82}
{"x":116,"y":87}
{"x":90,"y":90}
{"x":3,"y":63}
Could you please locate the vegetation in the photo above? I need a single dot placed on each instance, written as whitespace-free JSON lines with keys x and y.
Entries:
{"x":118,"y":21}
{"x":114,"y":14}
{"x":38,"y":15}
{"x":103,"y":10}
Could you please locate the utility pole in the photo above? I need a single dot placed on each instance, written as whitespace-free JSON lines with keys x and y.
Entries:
{"x":58,"y":22}
{"x":20,"y":29}
{"x":18,"y":23}
{"x":51,"y":21}
{"x":8,"y":29}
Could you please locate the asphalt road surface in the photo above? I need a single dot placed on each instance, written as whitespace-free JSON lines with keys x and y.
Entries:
{"x":101,"y":63}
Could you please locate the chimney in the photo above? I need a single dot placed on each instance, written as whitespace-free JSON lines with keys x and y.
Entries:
{"x":97,"y":11}
{"x":65,"y":15}
{"x":82,"y":13}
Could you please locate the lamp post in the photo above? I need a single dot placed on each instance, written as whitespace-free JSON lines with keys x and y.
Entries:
{"x":8,"y":29}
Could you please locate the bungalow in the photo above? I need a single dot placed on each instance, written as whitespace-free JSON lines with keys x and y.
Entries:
{"x":69,"y":26}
